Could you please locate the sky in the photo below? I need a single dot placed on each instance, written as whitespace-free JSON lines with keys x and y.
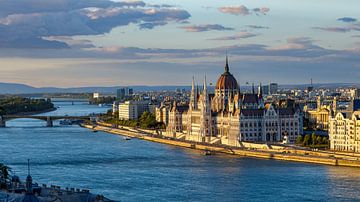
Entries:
{"x":73,"y":43}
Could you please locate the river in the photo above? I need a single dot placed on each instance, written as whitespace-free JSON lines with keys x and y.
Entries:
{"x":136,"y":170}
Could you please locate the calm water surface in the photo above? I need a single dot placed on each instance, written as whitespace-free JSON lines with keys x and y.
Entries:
{"x":70,"y":156}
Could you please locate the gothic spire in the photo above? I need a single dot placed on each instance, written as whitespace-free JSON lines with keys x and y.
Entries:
{"x":193,"y":98}
{"x":205,"y":87}
{"x":227,"y":64}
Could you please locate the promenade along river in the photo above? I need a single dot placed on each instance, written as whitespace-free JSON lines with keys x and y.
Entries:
{"x":136,"y":170}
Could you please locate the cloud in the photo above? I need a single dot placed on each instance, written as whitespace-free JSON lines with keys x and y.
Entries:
{"x":70,"y":18}
{"x":257,"y":27}
{"x":355,"y":36}
{"x":241,"y":35}
{"x":334,"y":29}
{"x":243,"y":10}
{"x":205,"y":28}
{"x":250,"y":62}
{"x":348,"y":28}
{"x":347,"y":19}
{"x":71,"y":42}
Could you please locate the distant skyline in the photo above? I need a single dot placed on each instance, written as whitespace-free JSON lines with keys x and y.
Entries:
{"x":66,"y":43}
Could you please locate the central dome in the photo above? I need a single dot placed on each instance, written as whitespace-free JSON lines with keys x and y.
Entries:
{"x":227,"y":80}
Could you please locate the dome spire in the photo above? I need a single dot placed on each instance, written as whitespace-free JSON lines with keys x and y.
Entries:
{"x":227,"y":63}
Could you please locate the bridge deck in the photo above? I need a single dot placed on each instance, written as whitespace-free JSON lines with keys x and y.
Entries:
{"x":10,"y":117}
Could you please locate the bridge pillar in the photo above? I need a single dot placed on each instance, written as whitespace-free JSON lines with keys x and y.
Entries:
{"x":49,"y":122}
{"x":2,"y":122}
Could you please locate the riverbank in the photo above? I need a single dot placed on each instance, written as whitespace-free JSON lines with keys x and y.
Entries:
{"x":276,"y":153}
{"x":35,"y":112}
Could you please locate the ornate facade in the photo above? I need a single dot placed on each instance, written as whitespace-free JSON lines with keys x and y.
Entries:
{"x":344,"y":132}
{"x":229,"y":117}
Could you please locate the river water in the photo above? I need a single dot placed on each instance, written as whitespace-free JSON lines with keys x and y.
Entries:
{"x":136,"y":170}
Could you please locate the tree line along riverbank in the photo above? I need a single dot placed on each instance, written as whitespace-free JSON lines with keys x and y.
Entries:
{"x":10,"y":105}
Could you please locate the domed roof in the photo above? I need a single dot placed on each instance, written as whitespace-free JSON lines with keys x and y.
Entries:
{"x":227,"y":80}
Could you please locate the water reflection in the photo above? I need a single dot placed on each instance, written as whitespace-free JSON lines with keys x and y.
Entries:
{"x":345,"y":183}
{"x":137,"y":170}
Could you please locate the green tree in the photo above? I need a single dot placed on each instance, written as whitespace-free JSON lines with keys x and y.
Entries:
{"x":325,"y":140}
{"x":300,"y":139}
{"x":313,"y":138}
{"x":307,"y":140}
{"x":318,"y":140}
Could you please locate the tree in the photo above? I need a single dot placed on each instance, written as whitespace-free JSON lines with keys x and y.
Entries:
{"x":300,"y":139}
{"x":307,"y":140}
{"x":318,"y":140}
{"x":313,"y":138}
{"x":325,"y":140}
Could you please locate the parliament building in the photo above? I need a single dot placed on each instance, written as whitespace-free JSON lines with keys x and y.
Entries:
{"x":230,"y":117}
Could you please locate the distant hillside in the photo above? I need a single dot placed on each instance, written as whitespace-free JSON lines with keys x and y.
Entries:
{"x":15,"y":88}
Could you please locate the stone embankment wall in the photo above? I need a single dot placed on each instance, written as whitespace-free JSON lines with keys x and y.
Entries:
{"x":249,"y":150}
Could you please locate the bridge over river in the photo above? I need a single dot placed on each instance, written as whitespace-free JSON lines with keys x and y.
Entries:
{"x":49,"y":119}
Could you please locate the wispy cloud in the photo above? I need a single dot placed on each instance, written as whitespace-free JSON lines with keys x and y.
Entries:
{"x":334,"y":29}
{"x":257,"y":27}
{"x":243,"y":10}
{"x":348,"y":28}
{"x":205,"y":28}
{"x":241,"y":35}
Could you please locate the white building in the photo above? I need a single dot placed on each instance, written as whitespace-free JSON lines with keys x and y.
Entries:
{"x":96,"y":95}
{"x":344,"y":129}
{"x":132,"y":109}
{"x":344,"y":132}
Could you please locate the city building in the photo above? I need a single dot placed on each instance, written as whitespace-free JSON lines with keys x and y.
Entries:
{"x":230,"y":117}
{"x":355,"y":93}
{"x":162,"y":114}
{"x":115,"y":108}
{"x":123,"y":93}
{"x":344,"y":132}
{"x":273,"y":88}
{"x":96,"y":95}
{"x":132,"y":109}
{"x":319,"y":117}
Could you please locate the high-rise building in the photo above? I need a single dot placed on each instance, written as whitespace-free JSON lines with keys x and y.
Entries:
{"x":123,"y":93}
{"x":273,"y":88}
{"x":265,"y":89}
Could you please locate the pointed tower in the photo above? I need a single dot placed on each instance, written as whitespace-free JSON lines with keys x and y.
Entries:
{"x":193,"y":96}
{"x":206,"y":105}
{"x":227,"y":64}
{"x":205,"y":117}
